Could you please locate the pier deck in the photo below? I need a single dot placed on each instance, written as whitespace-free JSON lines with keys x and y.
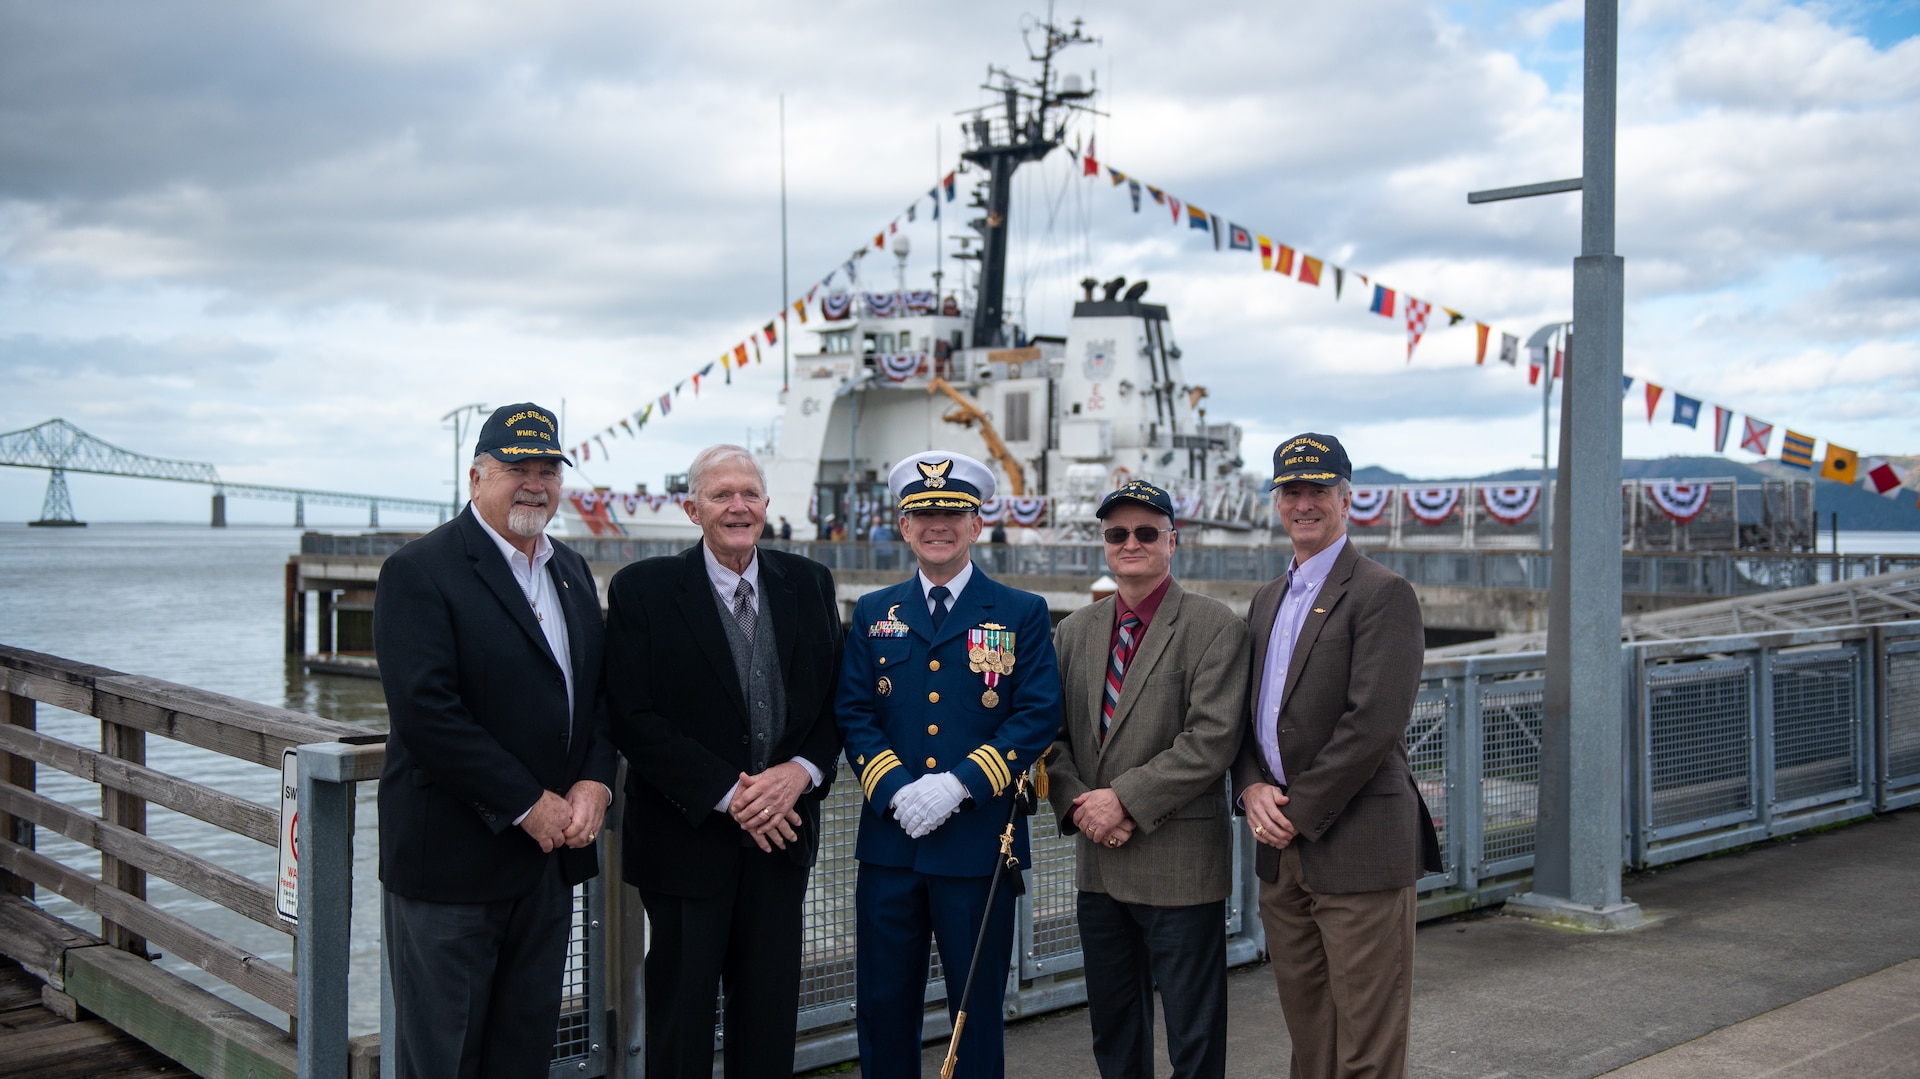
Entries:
{"x":36,"y":1043}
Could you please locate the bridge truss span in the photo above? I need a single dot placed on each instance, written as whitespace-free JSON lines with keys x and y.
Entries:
{"x":61,"y":447}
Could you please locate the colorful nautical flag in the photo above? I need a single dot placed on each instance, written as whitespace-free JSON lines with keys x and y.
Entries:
{"x":1686,"y":410}
{"x":1133,"y":192}
{"x":1339,"y":281}
{"x":768,"y":330}
{"x":880,"y":239}
{"x":1509,"y":349}
{"x":1118,"y":176}
{"x":948,"y":184}
{"x":1480,"y":331}
{"x":739,"y":355}
{"x":1159,"y":196}
{"x":1382,"y":304}
{"x":915,"y":205}
{"x":1218,"y":230}
{"x":1283,"y":260}
{"x":1416,"y":323}
{"x":625,"y":424}
{"x":1626,"y":383}
{"x":1239,"y":239}
{"x":1536,"y":362}
{"x":756,"y":358}
{"x":1454,"y":318}
{"x":666,"y":403}
{"x":1758,"y":434}
{"x":1174,"y":205}
{"x":801,"y":307}
{"x":1089,"y":167}
{"x":893,"y":226}
{"x":1310,"y":270}
{"x":1883,"y":477}
{"x":1842,"y":465}
{"x":1266,"y":253}
{"x":1197,"y":218}
{"x":1653,"y":398}
{"x":1796,"y":449}
{"x":584,"y":454}
{"x":1722,"y":427}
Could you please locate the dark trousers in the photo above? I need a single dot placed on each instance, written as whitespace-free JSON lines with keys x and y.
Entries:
{"x":747,"y":938}
{"x":476,"y":986}
{"x":1129,"y":948}
{"x":896,"y":912}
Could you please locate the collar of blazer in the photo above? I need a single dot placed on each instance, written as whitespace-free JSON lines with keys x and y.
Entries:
{"x":498,"y":577}
{"x":1146,"y":656}
{"x":703,"y":618}
{"x":1324,"y":604}
{"x":968,"y":611}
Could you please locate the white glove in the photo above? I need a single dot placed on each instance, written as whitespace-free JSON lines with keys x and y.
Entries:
{"x":925,"y":804}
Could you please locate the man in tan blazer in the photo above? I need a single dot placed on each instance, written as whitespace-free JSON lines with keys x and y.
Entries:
{"x":1154,"y":686}
{"x":1323,"y":778}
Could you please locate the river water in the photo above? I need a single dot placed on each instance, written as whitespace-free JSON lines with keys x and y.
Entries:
{"x":201,"y":607}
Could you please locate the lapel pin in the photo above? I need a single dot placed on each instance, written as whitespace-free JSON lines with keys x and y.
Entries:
{"x":1319,"y":610}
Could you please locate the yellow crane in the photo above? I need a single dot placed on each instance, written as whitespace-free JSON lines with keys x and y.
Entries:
{"x":968,"y":414}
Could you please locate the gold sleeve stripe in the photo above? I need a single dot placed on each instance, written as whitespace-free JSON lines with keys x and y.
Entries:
{"x":883,"y":762}
{"x":995,"y":769}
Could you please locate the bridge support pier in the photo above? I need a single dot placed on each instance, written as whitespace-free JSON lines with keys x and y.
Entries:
{"x":299,"y":512}
{"x":219,"y":511}
{"x":56,"y":511}
{"x":296,"y":612}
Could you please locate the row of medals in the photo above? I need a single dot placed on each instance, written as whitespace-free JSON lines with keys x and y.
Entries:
{"x":980,"y":660}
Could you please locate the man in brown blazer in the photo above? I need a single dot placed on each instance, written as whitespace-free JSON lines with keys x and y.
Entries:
{"x":1154,"y":689}
{"x":1323,"y":778}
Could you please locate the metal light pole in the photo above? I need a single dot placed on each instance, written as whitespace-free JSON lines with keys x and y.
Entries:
{"x":459,"y":422}
{"x":1579,"y":838}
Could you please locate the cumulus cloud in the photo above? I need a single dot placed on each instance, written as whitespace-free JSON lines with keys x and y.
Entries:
{"x":287,"y":219}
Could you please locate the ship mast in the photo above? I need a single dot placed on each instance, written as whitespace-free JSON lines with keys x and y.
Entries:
{"x":1002,"y":149}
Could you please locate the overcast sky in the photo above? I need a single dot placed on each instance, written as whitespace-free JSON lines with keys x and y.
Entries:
{"x":286,"y":239}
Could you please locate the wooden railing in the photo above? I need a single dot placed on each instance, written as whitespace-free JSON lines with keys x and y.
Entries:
{"x":113,"y":979}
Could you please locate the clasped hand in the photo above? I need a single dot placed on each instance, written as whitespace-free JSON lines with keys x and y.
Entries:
{"x":927,"y":802}
{"x":762,"y":804}
{"x":1262,"y":801}
{"x":573,"y":821}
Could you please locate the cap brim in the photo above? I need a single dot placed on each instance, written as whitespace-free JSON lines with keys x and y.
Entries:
{"x":510,"y":454}
{"x":1324,"y":479}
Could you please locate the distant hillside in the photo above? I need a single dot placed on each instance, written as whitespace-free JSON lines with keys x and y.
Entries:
{"x":1859,"y":509}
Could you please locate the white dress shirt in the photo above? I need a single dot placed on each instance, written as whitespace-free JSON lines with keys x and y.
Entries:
{"x":955,"y":586}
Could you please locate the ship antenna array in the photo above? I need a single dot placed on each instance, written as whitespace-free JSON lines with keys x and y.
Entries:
{"x":1026,"y":139}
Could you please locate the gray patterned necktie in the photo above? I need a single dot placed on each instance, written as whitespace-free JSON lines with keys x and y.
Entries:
{"x":743,"y":608}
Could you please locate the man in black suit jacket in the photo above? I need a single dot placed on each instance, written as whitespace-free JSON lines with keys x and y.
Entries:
{"x":498,"y":767}
{"x":721,"y":667}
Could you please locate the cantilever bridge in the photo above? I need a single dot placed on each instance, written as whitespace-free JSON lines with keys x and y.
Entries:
{"x":60,"y":448}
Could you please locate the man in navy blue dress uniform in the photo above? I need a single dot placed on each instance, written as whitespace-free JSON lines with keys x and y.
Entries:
{"x":948,"y":691}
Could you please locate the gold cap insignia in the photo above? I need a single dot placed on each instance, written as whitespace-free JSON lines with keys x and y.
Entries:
{"x":935,"y":475}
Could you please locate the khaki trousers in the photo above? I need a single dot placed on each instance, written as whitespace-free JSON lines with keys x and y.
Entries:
{"x":1343,"y":962}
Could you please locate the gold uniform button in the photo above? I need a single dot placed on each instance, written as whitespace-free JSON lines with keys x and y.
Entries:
{"x":883,"y":661}
{"x":931,"y":763}
{"x":933,"y":665}
{"x":933,"y":698}
{"x":933,"y":728}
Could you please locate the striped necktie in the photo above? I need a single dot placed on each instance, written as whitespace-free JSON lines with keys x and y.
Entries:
{"x":1117,"y":670}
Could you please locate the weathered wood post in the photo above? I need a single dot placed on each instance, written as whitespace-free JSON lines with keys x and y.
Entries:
{"x":129,"y":811}
{"x":17,"y":772}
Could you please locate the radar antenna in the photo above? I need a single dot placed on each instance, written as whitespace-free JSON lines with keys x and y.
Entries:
{"x":1002,"y":145}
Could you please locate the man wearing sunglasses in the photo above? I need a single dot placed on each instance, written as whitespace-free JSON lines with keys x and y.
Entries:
{"x":1154,"y":680}
{"x":1342,"y":832}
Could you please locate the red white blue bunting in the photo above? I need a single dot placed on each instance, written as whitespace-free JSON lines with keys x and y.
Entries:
{"x":881,"y":304}
{"x":901,"y":366}
{"x":1433,"y":505}
{"x":1369,"y":505}
{"x":835,"y":306}
{"x":1681,"y":502}
{"x":1025,"y":511}
{"x":1510,"y":505}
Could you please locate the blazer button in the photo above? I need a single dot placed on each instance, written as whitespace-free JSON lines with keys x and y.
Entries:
{"x":931,"y":763}
{"x":743,"y":739}
{"x":933,"y":728}
{"x":933,"y":665}
{"x":933,"y":698}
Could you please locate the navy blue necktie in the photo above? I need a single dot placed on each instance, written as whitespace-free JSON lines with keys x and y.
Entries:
{"x":939,"y":595}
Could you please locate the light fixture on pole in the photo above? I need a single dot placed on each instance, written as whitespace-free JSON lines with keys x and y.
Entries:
{"x":460,"y":421}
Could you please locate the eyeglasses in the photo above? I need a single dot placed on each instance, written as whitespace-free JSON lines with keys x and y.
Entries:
{"x":1144,"y":533}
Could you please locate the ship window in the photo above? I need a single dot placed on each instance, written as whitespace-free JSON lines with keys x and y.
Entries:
{"x":870,"y":345}
{"x":886,"y":342}
{"x":836,"y":342}
{"x":1018,"y":421}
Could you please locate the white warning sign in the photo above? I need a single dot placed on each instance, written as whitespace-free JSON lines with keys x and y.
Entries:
{"x":288,"y":901}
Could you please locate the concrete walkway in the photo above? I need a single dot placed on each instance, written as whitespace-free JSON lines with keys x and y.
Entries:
{"x":1795,"y":957}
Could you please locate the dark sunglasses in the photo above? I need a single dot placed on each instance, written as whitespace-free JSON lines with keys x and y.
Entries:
{"x":1144,"y":533}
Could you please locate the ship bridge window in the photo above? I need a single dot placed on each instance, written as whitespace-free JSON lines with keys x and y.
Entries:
{"x":836,"y":342}
{"x":1019,"y":412}
{"x":879,"y":342}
